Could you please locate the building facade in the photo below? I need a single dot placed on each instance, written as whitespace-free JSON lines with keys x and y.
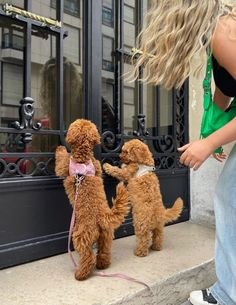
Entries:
{"x":63,"y":60}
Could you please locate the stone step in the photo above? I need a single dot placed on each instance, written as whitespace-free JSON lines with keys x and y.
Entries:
{"x":185,"y":264}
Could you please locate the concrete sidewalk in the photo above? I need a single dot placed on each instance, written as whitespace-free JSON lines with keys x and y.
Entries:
{"x":185,"y":263}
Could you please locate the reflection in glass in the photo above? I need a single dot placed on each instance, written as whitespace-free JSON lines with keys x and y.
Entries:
{"x":72,"y":63}
{"x":71,"y":7}
{"x":12,"y":83}
{"x":149,"y":108}
{"x":130,"y":89}
{"x":17,"y":3}
{"x":12,"y":71}
{"x":165,"y":112}
{"x":43,"y":81}
{"x":107,"y":56}
{"x":44,"y":8}
{"x":108,"y":12}
{"x":109,"y":121}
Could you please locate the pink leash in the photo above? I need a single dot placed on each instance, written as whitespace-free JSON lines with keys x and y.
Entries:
{"x":79,"y":179}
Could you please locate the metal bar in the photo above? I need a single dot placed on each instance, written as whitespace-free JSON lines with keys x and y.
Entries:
{"x":116,"y":68}
{"x":28,"y":5}
{"x":11,"y":10}
{"x":157,"y":116}
{"x":41,"y":132}
{"x":121,"y":67}
{"x":138,"y":27}
{"x":59,"y":69}
{"x":186,"y":114}
{"x":26,"y":155}
{"x":174,"y":121}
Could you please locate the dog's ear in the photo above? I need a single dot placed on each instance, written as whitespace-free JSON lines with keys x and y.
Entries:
{"x":72,"y":134}
{"x":141,"y":154}
{"x":95,"y":136}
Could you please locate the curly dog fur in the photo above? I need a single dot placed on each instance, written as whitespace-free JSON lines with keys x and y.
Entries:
{"x":95,"y":221}
{"x":149,"y":213}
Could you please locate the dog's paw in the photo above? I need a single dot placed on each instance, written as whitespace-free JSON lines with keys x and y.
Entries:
{"x":61,"y":149}
{"x":103,"y":262}
{"x":81,"y":276}
{"x":141,"y":252}
{"x":107,"y":168}
{"x":156,"y":247}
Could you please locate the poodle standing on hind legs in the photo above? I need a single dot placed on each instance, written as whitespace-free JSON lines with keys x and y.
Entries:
{"x":149,"y":213}
{"x":94,"y":220}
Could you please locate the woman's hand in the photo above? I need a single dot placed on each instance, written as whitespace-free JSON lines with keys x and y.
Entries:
{"x":220,"y":157}
{"x":195,"y":153}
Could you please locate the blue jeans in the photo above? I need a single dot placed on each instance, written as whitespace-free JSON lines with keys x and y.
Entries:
{"x":224,"y":290}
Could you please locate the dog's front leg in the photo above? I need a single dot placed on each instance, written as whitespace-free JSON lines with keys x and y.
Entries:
{"x":122,"y":174}
{"x":62,"y":162}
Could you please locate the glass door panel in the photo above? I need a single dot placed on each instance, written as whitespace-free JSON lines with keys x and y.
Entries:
{"x":17,"y":3}
{"x":45,"y":8}
{"x":72,"y":66}
{"x":12,"y":73}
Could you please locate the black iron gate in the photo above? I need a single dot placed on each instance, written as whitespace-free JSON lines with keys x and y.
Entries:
{"x":34,"y":211}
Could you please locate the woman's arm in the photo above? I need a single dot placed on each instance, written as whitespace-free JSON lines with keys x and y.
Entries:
{"x":221,"y":100}
{"x":224,"y":44}
{"x":195,"y":153}
{"x":224,"y":135}
{"x":224,"y":50}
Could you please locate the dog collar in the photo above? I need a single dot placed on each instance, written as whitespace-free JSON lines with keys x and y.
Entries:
{"x":81,"y":169}
{"x":144,"y":169}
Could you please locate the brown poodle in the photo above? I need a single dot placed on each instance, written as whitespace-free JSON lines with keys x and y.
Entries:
{"x":95,"y":221}
{"x":149,"y":213}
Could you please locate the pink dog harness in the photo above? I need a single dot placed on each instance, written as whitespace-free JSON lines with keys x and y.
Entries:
{"x":81,"y":169}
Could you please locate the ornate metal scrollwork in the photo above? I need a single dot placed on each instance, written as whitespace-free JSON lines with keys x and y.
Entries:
{"x":26,"y":113}
{"x":110,"y":142}
{"x":165,"y":162}
{"x":141,"y":127}
{"x":26,"y":167}
{"x":164,"y":144}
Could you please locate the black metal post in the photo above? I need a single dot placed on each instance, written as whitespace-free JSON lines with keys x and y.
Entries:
{"x":60,"y":68}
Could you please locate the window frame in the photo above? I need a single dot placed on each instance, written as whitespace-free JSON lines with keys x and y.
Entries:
{"x":110,"y":25}
{"x":68,"y":12}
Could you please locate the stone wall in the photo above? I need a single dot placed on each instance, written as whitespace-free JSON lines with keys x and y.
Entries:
{"x":203,"y":181}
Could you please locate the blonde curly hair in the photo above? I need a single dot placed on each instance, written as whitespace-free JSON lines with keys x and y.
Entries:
{"x":175,"y":31}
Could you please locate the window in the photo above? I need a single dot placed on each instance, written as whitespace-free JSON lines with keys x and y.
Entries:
{"x":107,"y":56}
{"x":108,"y":13}
{"x":12,"y":39}
{"x":129,"y":15}
{"x":71,"y":7}
{"x":12,"y":84}
{"x":72,"y":44}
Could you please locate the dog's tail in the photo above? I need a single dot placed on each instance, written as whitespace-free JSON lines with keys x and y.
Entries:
{"x":119,"y":209}
{"x":174,"y":212}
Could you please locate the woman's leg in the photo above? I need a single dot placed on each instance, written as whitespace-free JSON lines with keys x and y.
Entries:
{"x":224,"y":289}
